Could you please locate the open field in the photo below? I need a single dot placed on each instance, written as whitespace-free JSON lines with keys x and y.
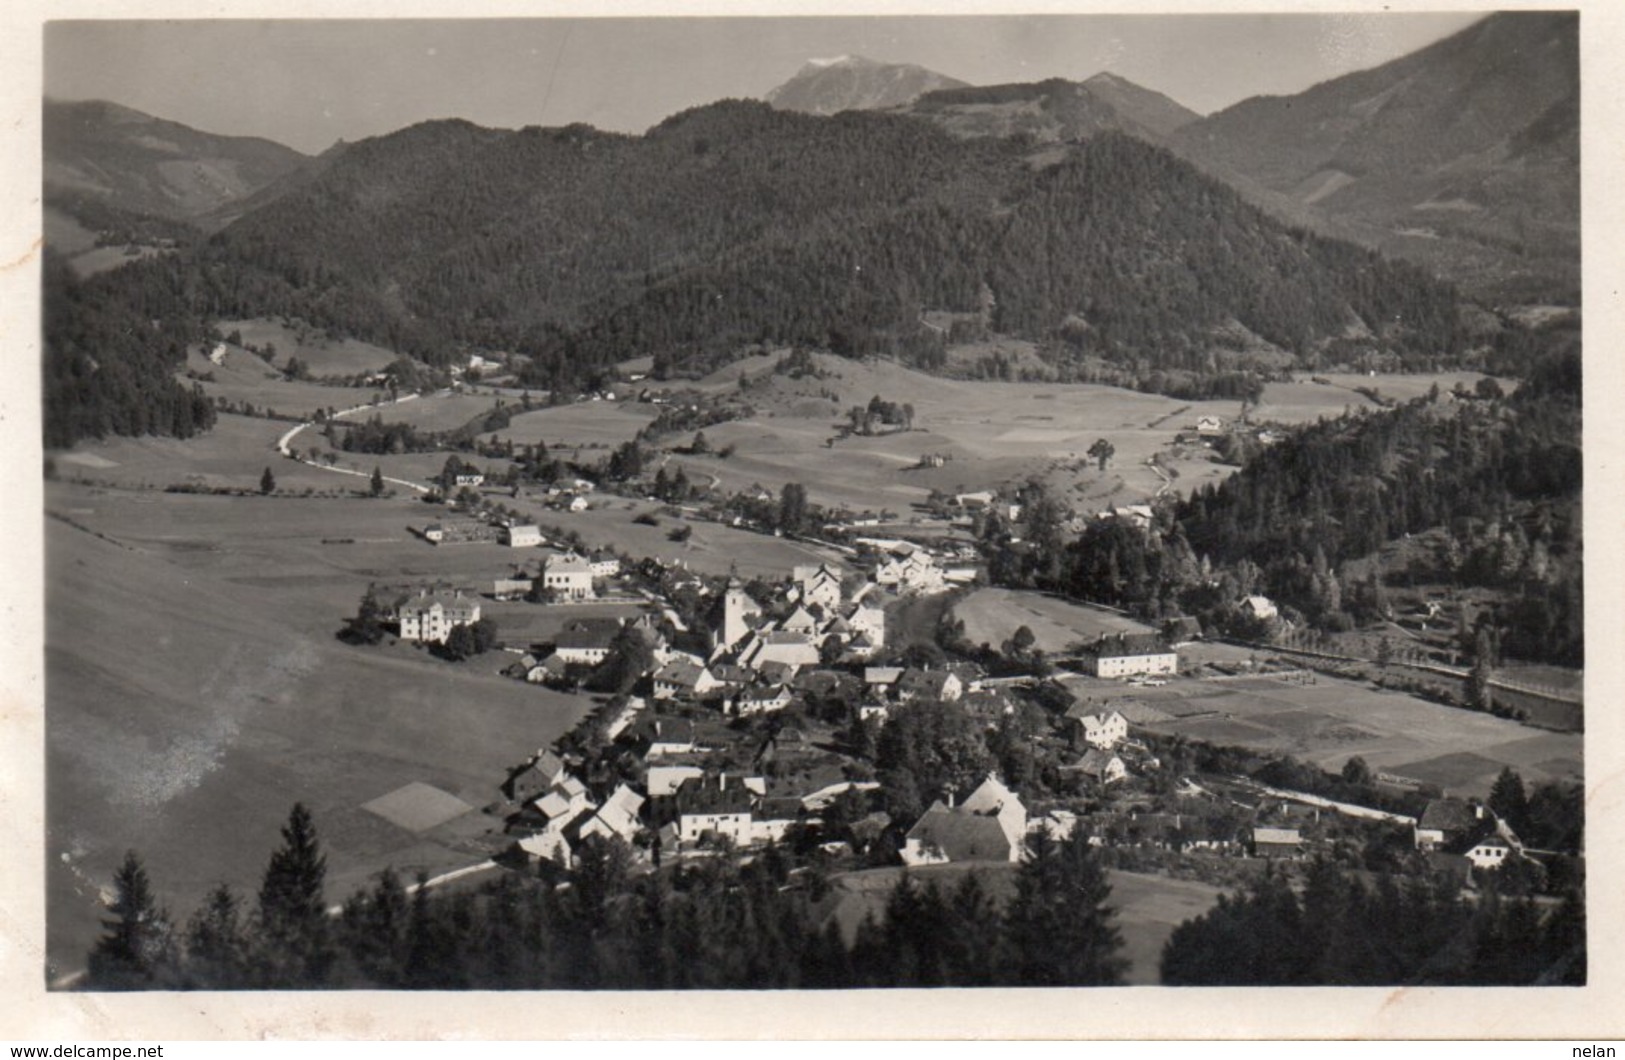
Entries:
{"x":324,"y":355}
{"x":713,"y":548}
{"x":439,"y":411}
{"x":579,"y":425}
{"x":1304,"y":400}
{"x":1148,"y":907}
{"x":992,"y":616}
{"x":242,"y":376}
{"x":233,"y":454}
{"x":196,"y":689}
{"x":1332,"y":720}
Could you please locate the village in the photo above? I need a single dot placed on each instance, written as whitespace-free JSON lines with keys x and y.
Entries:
{"x":728,"y":716}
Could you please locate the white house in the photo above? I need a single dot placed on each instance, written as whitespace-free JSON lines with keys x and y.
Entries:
{"x":1103,"y":729}
{"x":617,"y":818}
{"x":605,"y":564}
{"x":713,"y":806}
{"x":917,"y":572}
{"x":1259,"y":607}
{"x":586,"y":640}
{"x":429,"y":619}
{"x":569,"y":575}
{"x":818,"y":585}
{"x":683,"y":678}
{"x":1100,"y":766}
{"x":990,"y":825}
{"x":522,"y":536}
{"x":1209,"y":425}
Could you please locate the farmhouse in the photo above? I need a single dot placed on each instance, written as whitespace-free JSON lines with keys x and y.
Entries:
{"x":793,"y":649}
{"x":1102,"y":729}
{"x":522,"y":536}
{"x":683,"y":678}
{"x":1491,"y":851}
{"x":1277,"y":843}
{"x":586,"y":640}
{"x":429,"y":619}
{"x":989,"y":826}
{"x":818,"y":585}
{"x":1259,"y":607}
{"x":568,"y":575}
{"x":617,"y":818}
{"x":1445,"y":822}
{"x":1209,"y":426}
{"x":1101,"y":767}
{"x":1125,"y":654}
{"x":713,"y":806}
{"x":468,"y":478}
{"x":917,"y":572}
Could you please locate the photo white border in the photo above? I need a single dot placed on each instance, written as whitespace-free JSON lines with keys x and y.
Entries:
{"x":28,"y":1012}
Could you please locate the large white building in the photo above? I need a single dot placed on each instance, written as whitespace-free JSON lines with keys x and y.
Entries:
{"x":1126,"y":655}
{"x":568,"y":575}
{"x":429,"y":619}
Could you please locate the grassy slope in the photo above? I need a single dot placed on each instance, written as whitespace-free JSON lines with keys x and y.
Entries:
{"x":186,"y":714}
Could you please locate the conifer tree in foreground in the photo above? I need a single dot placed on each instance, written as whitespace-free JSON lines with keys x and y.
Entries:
{"x":137,"y":952}
{"x":293,"y":925}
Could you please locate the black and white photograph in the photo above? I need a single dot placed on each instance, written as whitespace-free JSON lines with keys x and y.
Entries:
{"x":796,"y":502}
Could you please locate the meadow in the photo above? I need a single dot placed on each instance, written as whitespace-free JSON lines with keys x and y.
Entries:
{"x":1332,"y":720}
{"x":198,"y":688}
{"x":992,"y":616}
{"x":324,"y":355}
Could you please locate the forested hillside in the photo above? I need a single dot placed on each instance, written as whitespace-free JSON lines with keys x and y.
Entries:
{"x":111,"y":352}
{"x":735,"y":224}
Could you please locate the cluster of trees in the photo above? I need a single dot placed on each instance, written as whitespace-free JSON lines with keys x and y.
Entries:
{"x":377,"y":437}
{"x":1340,"y":931}
{"x":111,"y":351}
{"x":880,"y":415}
{"x":720,"y":923}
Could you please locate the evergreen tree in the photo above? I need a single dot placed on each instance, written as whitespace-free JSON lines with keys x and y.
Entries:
{"x":267,"y":482}
{"x":1057,"y":926}
{"x":217,"y":943}
{"x":367,"y":627}
{"x":293,"y":925}
{"x":1509,"y":801}
{"x":135,"y":951}
{"x":377,"y":481}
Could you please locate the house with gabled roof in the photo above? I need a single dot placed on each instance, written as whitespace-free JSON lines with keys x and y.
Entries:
{"x":1446,"y":821}
{"x":800,"y":621}
{"x":683,"y":678}
{"x":762,"y":699}
{"x":1104,"y":729}
{"x":534,"y":777}
{"x":1099,"y":766}
{"x":716,"y":805}
{"x":1277,"y":843}
{"x":796,"y":649}
{"x":944,"y":685}
{"x":586,"y":640}
{"x":990,"y":825}
{"x":617,"y":818}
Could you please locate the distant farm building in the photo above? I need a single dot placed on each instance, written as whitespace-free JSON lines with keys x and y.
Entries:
{"x":1128,"y":654}
{"x":523,"y":536}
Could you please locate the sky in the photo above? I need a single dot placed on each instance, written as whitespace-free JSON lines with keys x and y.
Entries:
{"x":309,"y":83}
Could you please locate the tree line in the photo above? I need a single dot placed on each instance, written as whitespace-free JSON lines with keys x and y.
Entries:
{"x":714,"y":923}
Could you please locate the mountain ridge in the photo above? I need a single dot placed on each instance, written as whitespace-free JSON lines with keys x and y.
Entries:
{"x":141,"y":164}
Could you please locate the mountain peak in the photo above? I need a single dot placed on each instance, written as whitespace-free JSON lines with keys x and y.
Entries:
{"x":853,"y":82}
